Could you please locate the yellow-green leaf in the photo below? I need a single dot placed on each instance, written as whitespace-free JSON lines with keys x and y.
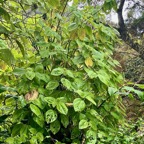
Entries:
{"x":89,"y":62}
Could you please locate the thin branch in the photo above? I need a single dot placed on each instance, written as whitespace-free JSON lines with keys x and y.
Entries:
{"x":124,"y":33}
{"x":58,"y":25}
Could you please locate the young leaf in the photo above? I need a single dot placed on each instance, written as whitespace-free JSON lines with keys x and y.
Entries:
{"x":55,"y":127}
{"x":61,"y":107}
{"x":50,"y":116}
{"x":83,"y":124}
{"x":79,"y":104}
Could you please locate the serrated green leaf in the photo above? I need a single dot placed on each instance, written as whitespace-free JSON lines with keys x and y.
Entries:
{"x":19,"y":71}
{"x":30,"y":74}
{"x":79,"y":104}
{"x":69,"y":73}
{"x":50,"y":101}
{"x":52,"y":85}
{"x":42,"y":76}
{"x":50,"y":116}
{"x":40,"y":137}
{"x":55,"y":127}
{"x":62,"y":108}
{"x":36,"y":110}
{"x":57,"y":71}
{"x":112,"y":91}
{"x":91,"y":73}
{"x":87,"y":95}
{"x":75,"y":133}
{"x":83,"y":124}
{"x":39,"y":68}
{"x":89,"y":98}
{"x":10,"y":140}
{"x":38,"y":102}
{"x":39,"y":121}
{"x":64,"y":120}
{"x":93,"y":124}
{"x":24,"y":130}
{"x":72,"y":26}
{"x":66,"y":83}
{"x":104,"y":77}
{"x":91,"y":137}
{"x":115,"y":115}
{"x":18,"y":115}
{"x":16,"y":129}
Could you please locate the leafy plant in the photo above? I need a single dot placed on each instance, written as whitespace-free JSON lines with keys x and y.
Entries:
{"x":60,"y":75}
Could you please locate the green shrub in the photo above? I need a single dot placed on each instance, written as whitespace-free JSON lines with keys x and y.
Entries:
{"x":58,"y":83}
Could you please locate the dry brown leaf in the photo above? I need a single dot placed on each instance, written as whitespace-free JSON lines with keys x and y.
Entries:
{"x":31,"y":95}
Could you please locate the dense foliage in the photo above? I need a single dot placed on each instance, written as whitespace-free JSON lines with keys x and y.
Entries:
{"x":58,"y":78}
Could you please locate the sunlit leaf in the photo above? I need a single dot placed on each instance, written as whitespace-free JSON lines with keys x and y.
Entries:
{"x":79,"y":104}
{"x":36,"y":110}
{"x":50,"y":116}
{"x":83,"y":124}
{"x":62,"y":108}
{"x":57,"y":71}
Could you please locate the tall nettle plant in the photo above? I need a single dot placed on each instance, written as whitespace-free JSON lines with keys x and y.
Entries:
{"x":59,"y":79}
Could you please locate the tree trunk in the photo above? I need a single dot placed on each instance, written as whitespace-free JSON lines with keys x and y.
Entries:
{"x":124,"y":32}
